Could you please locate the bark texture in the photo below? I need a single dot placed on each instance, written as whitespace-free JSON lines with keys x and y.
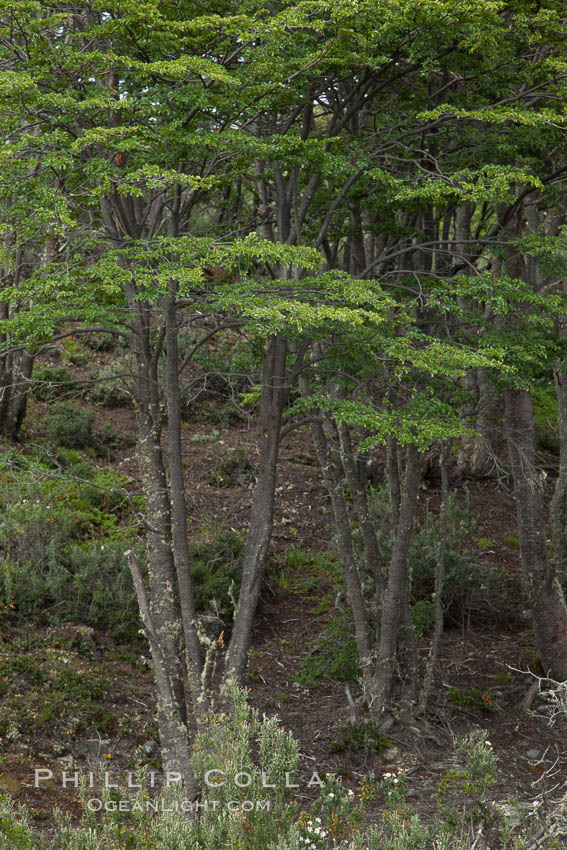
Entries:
{"x":543,"y":589}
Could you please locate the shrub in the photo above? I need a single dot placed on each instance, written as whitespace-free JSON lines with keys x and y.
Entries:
{"x":75,"y":583}
{"x":215,"y":566}
{"x":70,"y":426}
{"x":333,"y":653}
{"x":54,"y":560}
{"x":360,"y":738}
{"x":470,"y":590}
{"x":256,"y":748}
{"x":108,"y":389}
{"x":545,"y":417}
{"x":52,"y":382}
{"x":100,"y":342}
{"x":233,"y":470}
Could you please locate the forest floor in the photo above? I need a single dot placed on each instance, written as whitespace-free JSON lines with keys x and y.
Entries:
{"x":481,"y":680}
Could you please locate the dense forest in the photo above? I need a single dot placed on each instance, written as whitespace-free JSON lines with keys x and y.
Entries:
{"x":233,"y":236}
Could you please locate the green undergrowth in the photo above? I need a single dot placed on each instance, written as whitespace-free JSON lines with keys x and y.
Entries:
{"x":472,"y":592}
{"x":51,"y":382}
{"x":216,"y":568}
{"x":311,"y":575}
{"x":316,"y":577}
{"x":64,"y":525}
{"x":68,"y":425}
{"x":53,"y":687}
{"x":263,"y":800}
{"x":232,"y":470}
{"x":360,"y":738}
{"x":332,"y":654}
{"x":544,"y":403}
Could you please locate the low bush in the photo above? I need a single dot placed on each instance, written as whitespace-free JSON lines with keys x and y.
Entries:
{"x":333,"y":654}
{"x":233,"y":470}
{"x":471,"y":592}
{"x":360,"y":738}
{"x":260,"y":811}
{"x":545,"y":417}
{"x":53,"y":382}
{"x":62,"y":542}
{"x":69,"y":426}
{"x":216,"y":563}
{"x":107,"y":388}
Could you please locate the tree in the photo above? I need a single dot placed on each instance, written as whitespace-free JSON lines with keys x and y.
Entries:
{"x":337,"y":178}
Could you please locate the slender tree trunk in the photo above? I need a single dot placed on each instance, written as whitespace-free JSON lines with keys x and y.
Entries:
{"x":193,"y":661}
{"x":439,"y":581}
{"x":21,"y":377}
{"x":175,"y":746}
{"x":274,"y":395}
{"x":559,"y":501}
{"x":327,"y":448}
{"x":487,"y":442}
{"x":544,"y":592}
{"x":360,"y":502}
{"x":395,"y":588}
{"x":163,"y":605}
{"x":394,"y":481}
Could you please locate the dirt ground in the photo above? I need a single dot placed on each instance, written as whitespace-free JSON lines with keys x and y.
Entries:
{"x":492,"y":656}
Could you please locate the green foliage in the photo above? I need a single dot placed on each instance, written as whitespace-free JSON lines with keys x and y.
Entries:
{"x":360,"y":738}
{"x":232,"y":470}
{"x":215,"y":571}
{"x":205,"y":439}
{"x":544,"y":403}
{"x":462,"y":793}
{"x":474,"y":699}
{"x":332,"y":654}
{"x":305,"y":573}
{"x":45,"y":689}
{"x":107,"y":388}
{"x":52,"y":382}
{"x":70,"y":426}
{"x":219,"y":414}
{"x":228,"y":368}
{"x":247,"y":745}
{"x":471,"y":592}
{"x":87,"y":583}
{"x":73,"y":352}
{"x":423,"y":616}
{"x":70,"y":690}
{"x":62,"y":545}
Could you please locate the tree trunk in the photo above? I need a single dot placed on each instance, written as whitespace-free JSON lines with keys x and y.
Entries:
{"x":163,"y":606}
{"x":327,"y":448}
{"x":274,"y":395}
{"x":439,"y":581}
{"x":559,"y":501}
{"x":396,"y":586}
{"x":360,"y":502}
{"x":193,"y":660}
{"x":544,"y":592}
